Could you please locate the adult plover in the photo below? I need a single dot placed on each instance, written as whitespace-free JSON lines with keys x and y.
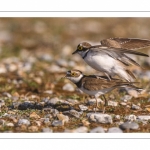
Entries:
{"x":110,"y":57}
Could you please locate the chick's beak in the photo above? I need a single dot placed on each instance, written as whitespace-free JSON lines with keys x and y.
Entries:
{"x":75,"y":52}
{"x":64,"y":77}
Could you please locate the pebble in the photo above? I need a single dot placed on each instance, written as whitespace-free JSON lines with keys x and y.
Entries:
{"x":112,"y":103}
{"x":7,"y":94}
{"x":68,"y":87}
{"x":85,"y":122}
{"x":129,"y":125}
{"x":74,"y":113}
{"x":143,"y":118}
{"x":2,"y":69}
{"x":48,"y":92}
{"x":47,"y":130}
{"x":55,"y":100}
{"x":34,"y":115}
{"x":97,"y":130}
{"x":46,"y":57}
{"x":55,"y":68}
{"x":81,"y":129}
{"x":93,"y":101}
{"x":117,"y":117}
{"x":100,"y":118}
{"x":132,"y":92}
{"x":62,"y":62}
{"x":2,"y":122}
{"x":63,"y":118}
{"x":46,"y":121}
{"x":130,"y":118}
{"x":83,"y":108}
{"x":10,"y":124}
{"x":23,"y":121}
{"x":123,"y":103}
{"x":73,"y":101}
{"x":26,"y":105}
{"x":114,"y":130}
{"x":57,"y":123}
{"x":126,"y":98}
{"x":2,"y":103}
{"x":33,"y":129}
{"x":38,"y":123}
{"x":135,"y":107}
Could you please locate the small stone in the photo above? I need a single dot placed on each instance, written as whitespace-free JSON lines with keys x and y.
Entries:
{"x":130,"y":118}
{"x":2,"y":103}
{"x":56,"y":100}
{"x":23,"y":122}
{"x":112,"y":103}
{"x":2,"y":122}
{"x":46,"y":121}
{"x":117,"y":117}
{"x":55,"y":68}
{"x":73,"y":101}
{"x":38,"y":123}
{"x":123,"y":103}
{"x":48,"y":92}
{"x":100,"y":118}
{"x":34,"y":115}
{"x":132,"y":92}
{"x":136,"y":107}
{"x":62,"y":62}
{"x":2,"y":69}
{"x":47,"y":130}
{"x":7,"y":94}
{"x":75,"y":113}
{"x":10,"y":124}
{"x":93,"y":101}
{"x":33,"y":128}
{"x":143,"y":118}
{"x":114,"y":130}
{"x":26,"y":105}
{"x":85,"y":122}
{"x":83,"y":108}
{"x":63,"y":118}
{"x":126,"y":98}
{"x":46,"y":57}
{"x":97,"y":130}
{"x":68,"y":87}
{"x":81,"y":129}
{"x":57,"y":123}
{"x":129,"y":125}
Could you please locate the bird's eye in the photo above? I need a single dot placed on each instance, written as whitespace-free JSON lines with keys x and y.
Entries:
{"x":80,"y":47}
{"x":73,"y":74}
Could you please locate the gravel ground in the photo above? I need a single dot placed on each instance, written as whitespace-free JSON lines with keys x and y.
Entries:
{"x":35,"y":54}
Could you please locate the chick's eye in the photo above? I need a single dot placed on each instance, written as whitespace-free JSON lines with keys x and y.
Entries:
{"x":80,"y":47}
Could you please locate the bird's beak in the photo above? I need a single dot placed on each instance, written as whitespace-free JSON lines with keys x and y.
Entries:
{"x":75,"y":52}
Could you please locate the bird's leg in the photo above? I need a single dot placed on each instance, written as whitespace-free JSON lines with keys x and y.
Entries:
{"x":106,"y":103}
{"x":109,"y":77}
{"x":97,"y":106}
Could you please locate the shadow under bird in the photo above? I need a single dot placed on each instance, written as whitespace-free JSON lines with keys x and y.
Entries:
{"x":96,"y":85}
{"x":110,"y":56}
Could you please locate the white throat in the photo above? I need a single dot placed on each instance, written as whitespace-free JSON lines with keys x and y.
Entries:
{"x":75,"y":79}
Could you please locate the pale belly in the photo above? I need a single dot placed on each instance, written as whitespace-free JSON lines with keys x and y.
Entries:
{"x":103,"y":63}
{"x":96,"y":93}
